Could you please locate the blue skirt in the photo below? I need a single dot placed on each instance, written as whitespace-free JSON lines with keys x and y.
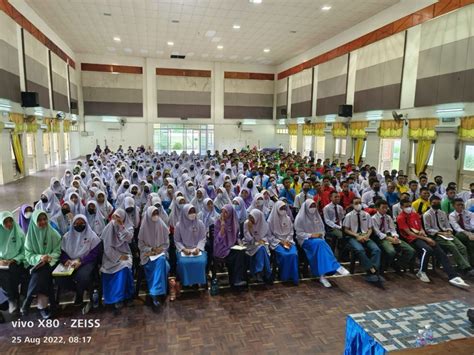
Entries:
{"x":156,"y":273}
{"x":260,"y":262}
{"x":118,"y":286}
{"x":320,"y":257}
{"x":192,"y":270}
{"x":287,"y":260}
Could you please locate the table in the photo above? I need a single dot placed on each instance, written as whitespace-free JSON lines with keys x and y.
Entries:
{"x":377,"y":332}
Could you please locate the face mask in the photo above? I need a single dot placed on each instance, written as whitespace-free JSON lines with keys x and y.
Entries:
{"x":44,"y":200}
{"x":80,"y":228}
{"x":65,"y":212}
{"x":180,"y":206}
{"x":129,"y":209}
{"x":192,"y":216}
{"x":126,"y":186}
{"x":234,"y":181}
{"x":357,"y":207}
{"x":28,"y":215}
{"x":134,"y":192}
{"x":259,"y":203}
{"x":155,"y":218}
{"x":436,"y":207}
{"x":237,"y":207}
{"x":312,"y":210}
{"x":407,"y":210}
{"x":91,"y":211}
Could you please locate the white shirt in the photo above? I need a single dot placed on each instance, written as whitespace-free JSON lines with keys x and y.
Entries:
{"x":431,"y":226}
{"x":465,"y":195}
{"x":329,"y":214}
{"x":300,"y":199}
{"x":467,"y":217}
{"x":368,"y":197}
{"x":352,"y":222}
{"x":388,"y":225}
{"x":396,"y":210}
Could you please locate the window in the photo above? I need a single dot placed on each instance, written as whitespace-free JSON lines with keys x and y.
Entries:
{"x":293,"y":143}
{"x":468,"y":163}
{"x":364,"y":151}
{"x":307,"y":145}
{"x":389,"y":154}
{"x":340,"y":146}
{"x":413,"y":148}
{"x":183,"y":138}
{"x":320,"y":147}
{"x":283,"y":130}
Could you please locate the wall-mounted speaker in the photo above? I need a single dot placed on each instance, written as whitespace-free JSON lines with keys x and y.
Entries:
{"x":283,"y":113}
{"x":345,"y":111}
{"x":29,"y":99}
{"x":73,"y":105}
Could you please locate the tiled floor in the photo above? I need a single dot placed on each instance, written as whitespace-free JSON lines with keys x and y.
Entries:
{"x":28,"y":189}
{"x":281,"y":319}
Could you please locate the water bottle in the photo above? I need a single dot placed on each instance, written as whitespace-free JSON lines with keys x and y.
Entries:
{"x":420,"y":339}
{"x":428,"y":335}
{"x":214,"y":291}
{"x":95,"y":299}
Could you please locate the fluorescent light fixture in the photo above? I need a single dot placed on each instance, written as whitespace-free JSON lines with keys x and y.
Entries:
{"x":255,"y":1}
{"x":220,"y":46}
{"x":74,"y":117}
{"x":117,"y":39}
{"x":449,"y":110}
{"x":110,"y":119}
{"x":300,"y":120}
{"x":236,"y":27}
{"x":266,"y":50}
{"x":170,"y":43}
{"x":281,"y":121}
{"x":330,"y":118}
{"x":326,"y":8}
{"x":249,"y":121}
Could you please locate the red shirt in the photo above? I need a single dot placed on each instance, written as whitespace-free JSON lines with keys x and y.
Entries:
{"x":325,"y":195}
{"x":408,"y":221}
{"x":346,"y":198}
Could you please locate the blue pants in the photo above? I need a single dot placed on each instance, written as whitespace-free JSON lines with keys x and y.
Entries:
{"x":260,"y":262}
{"x":360,"y":250}
{"x":192,"y":270}
{"x":320,"y":257}
{"x":287,"y":260}
{"x":156,"y":273}
{"x":118,"y":287}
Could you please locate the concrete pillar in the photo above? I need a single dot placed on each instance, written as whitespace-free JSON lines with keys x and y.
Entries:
{"x":443,"y":159}
{"x":299,"y":141}
{"x":405,"y":150}
{"x":6,"y":165}
{"x":328,"y":144}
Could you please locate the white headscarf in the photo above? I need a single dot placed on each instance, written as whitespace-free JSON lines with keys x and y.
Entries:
{"x":280,"y":224}
{"x":152,"y":234}
{"x":78,"y":244}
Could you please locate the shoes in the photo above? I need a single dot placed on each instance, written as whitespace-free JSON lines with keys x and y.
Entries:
{"x":373,"y":278}
{"x":240,"y":283}
{"x":156,"y":305}
{"x":343,"y":271}
{"x":458,"y":282}
{"x":422,"y":276}
{"x":325,"y":282}
{"x":12,"y":307}
{"x":45,"y":313}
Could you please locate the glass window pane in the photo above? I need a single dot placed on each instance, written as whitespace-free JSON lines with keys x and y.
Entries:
{"x":430,"y":161}
{"x":343,"y":146}
{"x":469,"y":158}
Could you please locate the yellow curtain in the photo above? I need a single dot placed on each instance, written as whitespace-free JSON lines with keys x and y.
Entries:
{"x":423,"y":150}
{"x":339,"y":130}
{"x":55,"y":126}
{"x":422,"y":129}
{"x":19,"y":121}
{"x":67,"y":126}
{"x":31,"y":125}
{"x":357,"y":129}
{"x":358,"y":150}
{"x":466,"y":130}
{"x":18,"y":152}
{"x":318,"y":129}
{"x":307,"y":129}
{"x":391,"y":129}
{"x":48,"y":122}
{"x":293,"y":129}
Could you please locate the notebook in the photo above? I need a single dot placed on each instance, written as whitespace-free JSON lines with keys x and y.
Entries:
{"x":239,"y":247}
{"x":154,"y":257}
{"x":62,"y":270}
{"x":190,"y":256}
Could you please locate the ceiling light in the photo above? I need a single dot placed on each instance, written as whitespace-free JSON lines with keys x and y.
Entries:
{"x":448,"y":110}
{"x":236,"y":27}
{"x":117,"y":39}
{"x":326,"y":8}
{"x":266,"y":50}
{"x":170,"y":43}
{"x":255,"y":1}
{"x":220,"y":46}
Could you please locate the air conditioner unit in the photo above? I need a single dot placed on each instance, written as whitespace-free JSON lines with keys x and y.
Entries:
{"x":246,"y":128}
{"x":9,"y":125}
